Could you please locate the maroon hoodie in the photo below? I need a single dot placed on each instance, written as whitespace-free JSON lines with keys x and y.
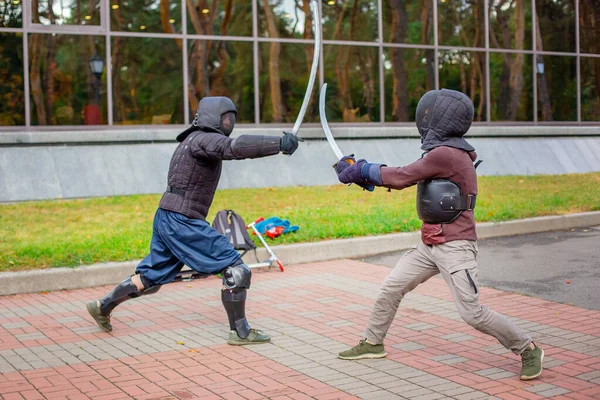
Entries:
{"x":441,"y":162}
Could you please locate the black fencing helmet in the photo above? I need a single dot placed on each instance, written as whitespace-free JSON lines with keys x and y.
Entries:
{"x":214,"y":114}
{"x":443,"y":117}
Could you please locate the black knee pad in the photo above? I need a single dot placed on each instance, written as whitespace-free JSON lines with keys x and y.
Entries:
{"x":237,"y":276}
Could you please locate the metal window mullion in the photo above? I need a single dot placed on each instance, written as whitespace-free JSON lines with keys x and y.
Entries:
{"x":255,"y":50}
{"x":184,"y":56}
{"x":488,"y":97}
{"x":410,"y":46}
{"x":90,"y":32}
{"x":26,"y":16}
{"x":11,"y":30}
{"x":556,"y":53}
{"x":337,"y":42}
{"x":534,"y":64}
{"x":67,"y":29}
{"x":147,"y":35}
{"x":578,"y":61}
{"x":104,"y":14}
{"x":380,"y":64}
{"x":436,"y":46}
{"x":509,"y":51}
{"x":462,"y":48}
{"x":285,"y":40}
{"x":220,"y":38}
{"x":109,"y":70}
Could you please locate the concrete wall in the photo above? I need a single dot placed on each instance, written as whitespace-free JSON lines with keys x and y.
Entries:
{"x":48,"y":165}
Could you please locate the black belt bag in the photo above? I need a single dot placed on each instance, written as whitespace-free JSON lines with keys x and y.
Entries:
{"x":439,"y":201}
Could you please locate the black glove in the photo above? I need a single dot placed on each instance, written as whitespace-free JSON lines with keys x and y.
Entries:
{"x":289,"y":143}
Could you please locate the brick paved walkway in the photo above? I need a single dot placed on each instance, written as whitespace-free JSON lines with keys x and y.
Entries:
{"x":171,"y":345}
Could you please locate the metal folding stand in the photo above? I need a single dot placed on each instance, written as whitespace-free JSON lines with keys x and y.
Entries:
{"x":272,"y":260}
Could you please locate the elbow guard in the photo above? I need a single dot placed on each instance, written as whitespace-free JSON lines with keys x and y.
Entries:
{"x":255,"y":146}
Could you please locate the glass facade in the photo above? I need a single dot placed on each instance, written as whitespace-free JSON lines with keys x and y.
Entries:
{"x":75,"y":63}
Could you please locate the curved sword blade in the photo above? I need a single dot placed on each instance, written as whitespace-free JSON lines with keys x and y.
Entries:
{"x":313,"y":69}
{"x":325,"y":124}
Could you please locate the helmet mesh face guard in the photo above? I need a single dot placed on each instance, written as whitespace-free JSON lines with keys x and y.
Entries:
{"x":227,"y":122}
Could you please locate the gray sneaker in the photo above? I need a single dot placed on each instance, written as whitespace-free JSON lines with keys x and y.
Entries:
{"x":255,"y":337}
{"x":363,"y":350}
{"x":532,"y":360}
{"x":103,"y":322}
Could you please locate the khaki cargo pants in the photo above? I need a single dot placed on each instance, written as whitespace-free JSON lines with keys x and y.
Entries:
{"x":457,"y":262}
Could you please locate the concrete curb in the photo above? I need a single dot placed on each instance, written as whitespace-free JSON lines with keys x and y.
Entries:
{"x":112,"y":273}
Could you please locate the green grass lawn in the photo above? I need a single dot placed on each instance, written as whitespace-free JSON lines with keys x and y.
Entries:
{"x":67,"y":233}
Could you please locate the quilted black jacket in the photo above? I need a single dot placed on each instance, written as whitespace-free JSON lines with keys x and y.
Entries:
{"x":196,"y":164}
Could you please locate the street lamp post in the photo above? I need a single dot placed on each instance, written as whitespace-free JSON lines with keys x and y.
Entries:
{"x":91,"y":112}
{"x":97,"y":67}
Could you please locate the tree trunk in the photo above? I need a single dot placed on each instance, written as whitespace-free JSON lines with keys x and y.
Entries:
{"x":364,"y":74}
{"x":463,"y":77}
{"x":308,"y":33}
{"x":368,"y":84}
{"x":164,"y":20}
{"x":216,"y":78}
{"x":199,"y":85}
{"x":426,"y":22}
{"x":504,"y":84}
{"x":504,"y":89}
{"x":400,"y":79}
{"x":36,"y":44}
{"x":516,"y":69}
{"x":227,"y":18}
{"x":50,"y":77}
{"x":116,"y":58}
{"x":543,"y":95}
{"x":341,"y":72}
{"x":88,"y":51}
{"x":477,"y":83}
{"x":343,"y":69}
{"x":274,"y":78}
{"x":590,"y":19}
{"x":309,"y":51}
{"x":480,"y":57}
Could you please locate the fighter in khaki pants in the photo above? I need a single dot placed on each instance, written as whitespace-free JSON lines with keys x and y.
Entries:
{"x":446,"y":193}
